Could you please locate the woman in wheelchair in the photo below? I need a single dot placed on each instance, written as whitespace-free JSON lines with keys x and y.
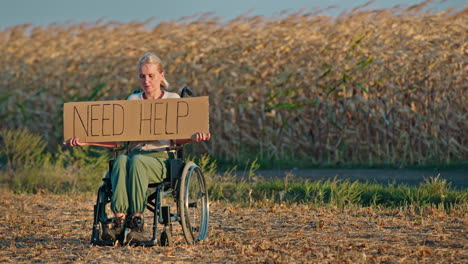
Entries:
{"x":145,"y":163}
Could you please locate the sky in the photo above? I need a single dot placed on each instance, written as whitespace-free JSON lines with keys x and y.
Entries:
{"x":46,"y":12}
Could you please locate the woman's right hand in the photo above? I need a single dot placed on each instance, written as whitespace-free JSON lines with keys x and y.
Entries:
{"x":75,"y":141}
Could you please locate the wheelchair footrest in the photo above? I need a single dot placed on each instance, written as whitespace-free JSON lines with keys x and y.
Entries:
{"x":148,"y":243}
{"x":103,"y":243}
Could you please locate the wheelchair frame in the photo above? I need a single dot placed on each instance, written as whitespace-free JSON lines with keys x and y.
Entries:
{"x":186,"y":184}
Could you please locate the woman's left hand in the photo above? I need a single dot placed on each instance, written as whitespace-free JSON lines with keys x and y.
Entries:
{"x":198,"y":137}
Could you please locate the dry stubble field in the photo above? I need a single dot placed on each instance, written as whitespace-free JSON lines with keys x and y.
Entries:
{"x":55,"y":228}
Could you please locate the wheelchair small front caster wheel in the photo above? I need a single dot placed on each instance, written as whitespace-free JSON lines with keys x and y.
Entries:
{"x":166,"y":239}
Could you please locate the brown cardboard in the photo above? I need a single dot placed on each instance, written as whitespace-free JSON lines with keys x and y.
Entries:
{"x":135,"y":120}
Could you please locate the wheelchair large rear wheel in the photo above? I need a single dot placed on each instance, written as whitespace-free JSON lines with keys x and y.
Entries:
{"x":193,"y":204}
{"x":102,"y":215}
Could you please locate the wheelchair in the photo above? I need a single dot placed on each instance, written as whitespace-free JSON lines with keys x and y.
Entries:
{"x":184,"y":188}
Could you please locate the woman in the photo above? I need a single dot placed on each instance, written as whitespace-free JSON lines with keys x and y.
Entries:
{"x":146,"y":161}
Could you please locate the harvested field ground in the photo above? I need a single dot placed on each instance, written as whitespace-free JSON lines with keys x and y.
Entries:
{"x":47,"y":228}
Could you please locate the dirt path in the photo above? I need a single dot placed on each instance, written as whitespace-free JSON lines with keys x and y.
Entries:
{"x":55,"y":229}
{"x":457,"y":177}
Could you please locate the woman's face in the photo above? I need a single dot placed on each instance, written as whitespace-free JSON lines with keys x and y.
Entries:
{"x":150,"y":78}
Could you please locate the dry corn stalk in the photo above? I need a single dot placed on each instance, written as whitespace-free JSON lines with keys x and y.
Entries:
{"x":382,"y":86}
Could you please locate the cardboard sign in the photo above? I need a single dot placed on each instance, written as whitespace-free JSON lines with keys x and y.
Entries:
{"x":135,"y":120}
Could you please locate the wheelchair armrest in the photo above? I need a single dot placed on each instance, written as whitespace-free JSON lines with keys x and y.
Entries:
{"x":175,"y":170}
{"x":119,"y":148}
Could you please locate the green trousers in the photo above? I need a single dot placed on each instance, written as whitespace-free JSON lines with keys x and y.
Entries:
{"x":130,"y":177}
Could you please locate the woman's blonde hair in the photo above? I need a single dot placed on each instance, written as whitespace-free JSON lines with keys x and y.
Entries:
{"x":151,"y":58}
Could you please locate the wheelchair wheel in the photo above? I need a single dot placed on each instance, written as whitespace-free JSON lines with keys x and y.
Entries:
{"x":193,"y":204}
{"x":102,"y":212}
{"x":166,"y":239}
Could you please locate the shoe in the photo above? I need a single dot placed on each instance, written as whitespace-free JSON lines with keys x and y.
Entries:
{"x":115,"y":233}
{"x":136,"y":224}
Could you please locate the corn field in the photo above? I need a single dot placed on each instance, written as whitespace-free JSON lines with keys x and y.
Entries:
{"x":367,"y":87}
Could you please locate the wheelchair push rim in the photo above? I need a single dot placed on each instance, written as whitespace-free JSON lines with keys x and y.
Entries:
{"x":193,"y":204}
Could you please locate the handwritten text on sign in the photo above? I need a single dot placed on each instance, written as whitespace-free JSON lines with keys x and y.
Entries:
{"x":136,"y":120}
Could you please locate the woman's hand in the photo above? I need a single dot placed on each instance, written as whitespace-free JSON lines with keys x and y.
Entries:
{"x":199,"y":137}
{"x":75,"y":141}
